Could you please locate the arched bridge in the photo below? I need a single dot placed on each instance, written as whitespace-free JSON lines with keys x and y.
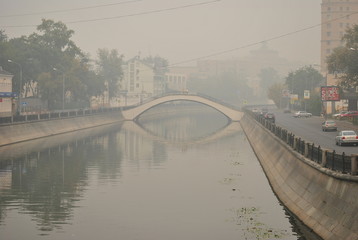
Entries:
{"x":230,"y":112}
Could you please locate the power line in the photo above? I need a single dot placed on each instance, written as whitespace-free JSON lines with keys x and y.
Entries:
{"x":68,"y":10}
{"x":260,"y":42}
{"x":128,"y":15}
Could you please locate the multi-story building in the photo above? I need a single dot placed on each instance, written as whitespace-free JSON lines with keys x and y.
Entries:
{"x":336,"y":17}
{"x":6,"y":94}
{"x":138,"y":81}
{"x":176,"y":81}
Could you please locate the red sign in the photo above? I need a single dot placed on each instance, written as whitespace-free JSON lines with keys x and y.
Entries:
{"x":330,"y":93}
{"x":0,"y":99}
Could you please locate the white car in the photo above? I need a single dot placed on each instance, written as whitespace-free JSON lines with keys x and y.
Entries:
{"x":347,"y":137}
{"x":302,"y":114}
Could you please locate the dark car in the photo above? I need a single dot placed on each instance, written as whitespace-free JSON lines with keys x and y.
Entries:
{"x":270,"y":117}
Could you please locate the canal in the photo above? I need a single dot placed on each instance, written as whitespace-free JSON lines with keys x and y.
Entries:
{"x":188,"y":175}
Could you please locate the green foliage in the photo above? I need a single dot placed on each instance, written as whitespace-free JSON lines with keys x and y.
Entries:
{"x":110,"y":69}
{"x":305,"y":78}
{"x":344,"y":60}
{"x":39,"y":54}
{"x":159,"y":64}
{"x":275,"y":93}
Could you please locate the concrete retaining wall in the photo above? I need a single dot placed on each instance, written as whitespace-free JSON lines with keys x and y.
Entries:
{"x":322,"y":201}
{"x":15,"y":133}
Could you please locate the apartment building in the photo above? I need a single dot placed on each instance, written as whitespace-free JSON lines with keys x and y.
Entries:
{"x":336,"y":17}
{"x":138,"y":78}
{"x":176,"y":82}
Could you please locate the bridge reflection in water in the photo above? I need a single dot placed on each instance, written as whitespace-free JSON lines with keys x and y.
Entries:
{"x":127,"y":181}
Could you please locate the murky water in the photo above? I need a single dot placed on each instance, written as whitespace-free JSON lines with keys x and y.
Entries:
{"x":188,"y":176}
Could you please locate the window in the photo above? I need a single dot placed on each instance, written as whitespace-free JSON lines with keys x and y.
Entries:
{"x":328,"y":34}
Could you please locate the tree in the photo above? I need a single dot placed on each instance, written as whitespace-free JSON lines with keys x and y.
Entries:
{"x":268,"y":77}
{"x":305,"y":78}
{"x":344,"y":60}
{"x":56,"y":36}
{"x":159,"y":64}
{"x":274,"y":93}
{"x":110,"y":69}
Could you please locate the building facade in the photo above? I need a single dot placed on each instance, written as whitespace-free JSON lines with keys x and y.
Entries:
{"x":176,"y":82}
{"x":6,"y":94}
{"x":336,"y":17}
{"x":138,"y":78}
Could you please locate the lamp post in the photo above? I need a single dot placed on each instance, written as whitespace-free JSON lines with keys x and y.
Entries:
{"x":20,"y":90}
{"x":63,"y":87}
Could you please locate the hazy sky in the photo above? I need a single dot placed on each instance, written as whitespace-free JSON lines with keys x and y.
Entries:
{"x":178,"y":30}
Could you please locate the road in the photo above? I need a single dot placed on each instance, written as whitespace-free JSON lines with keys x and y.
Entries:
{"x":310,"y":130}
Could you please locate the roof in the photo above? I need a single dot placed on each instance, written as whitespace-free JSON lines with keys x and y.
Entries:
{"x":3,"y":72}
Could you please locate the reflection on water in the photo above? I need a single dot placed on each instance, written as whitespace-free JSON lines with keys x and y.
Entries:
{"x":127,"y":182}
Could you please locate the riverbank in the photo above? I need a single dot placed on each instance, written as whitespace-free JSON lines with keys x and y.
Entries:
{"x":322,"y":201}
{"x":20,"y":132}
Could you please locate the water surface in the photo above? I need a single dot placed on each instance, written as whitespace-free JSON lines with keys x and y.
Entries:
{"x":182,"y":176}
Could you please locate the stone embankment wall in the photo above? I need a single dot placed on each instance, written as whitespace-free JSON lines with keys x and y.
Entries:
{"x":323,"y":201}
{"x":15,"y":133}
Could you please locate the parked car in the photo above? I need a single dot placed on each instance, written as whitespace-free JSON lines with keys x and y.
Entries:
{"x":348,"y":114}
{"x":338,"y":115}
{"x":270,"y":117}
{"x":347,"y":137}
{"x":329,"y":125}
{"x":302,"y":114}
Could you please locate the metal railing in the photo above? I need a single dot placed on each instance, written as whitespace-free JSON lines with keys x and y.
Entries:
{"x":326,"y":158}
{"x":55,"y":115}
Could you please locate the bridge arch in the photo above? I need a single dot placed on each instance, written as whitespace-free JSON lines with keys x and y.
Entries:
{"x":134,"y":113}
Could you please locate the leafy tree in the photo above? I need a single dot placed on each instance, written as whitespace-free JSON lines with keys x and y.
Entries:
{"x":275,"y":93}
{"x":344,"y":60}
{"x":110,"y":69}
{"x":159,"y":64}
{"x":268,"y":77}
{"x":305,"y":78}
{"x":56,"y":36}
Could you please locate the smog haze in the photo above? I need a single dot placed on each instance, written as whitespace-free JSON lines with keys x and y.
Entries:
{"x":177,"y":30}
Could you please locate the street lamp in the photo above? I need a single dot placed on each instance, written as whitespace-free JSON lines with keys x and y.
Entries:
{"x":63,"y":87}
{"x":20,"y":90}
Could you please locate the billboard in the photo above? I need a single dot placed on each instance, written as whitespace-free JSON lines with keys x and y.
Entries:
{"x":330,"y":93}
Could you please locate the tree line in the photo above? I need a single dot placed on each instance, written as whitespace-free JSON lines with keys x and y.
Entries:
{"x":342,"y":62}
{"x":52,"y":63}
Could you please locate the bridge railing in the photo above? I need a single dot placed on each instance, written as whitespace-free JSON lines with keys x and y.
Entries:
{"x":326,"y":158}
